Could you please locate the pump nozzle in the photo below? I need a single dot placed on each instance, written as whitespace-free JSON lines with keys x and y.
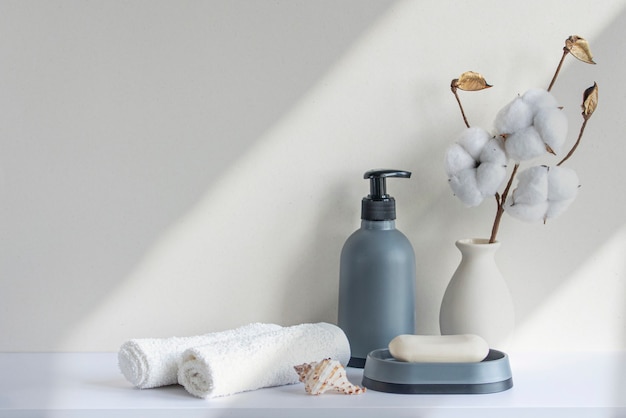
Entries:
{"x":378,"y":184}
{"x":378,"y":205}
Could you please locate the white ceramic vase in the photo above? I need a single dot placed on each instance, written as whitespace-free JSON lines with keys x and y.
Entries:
{"x":477,"y":299}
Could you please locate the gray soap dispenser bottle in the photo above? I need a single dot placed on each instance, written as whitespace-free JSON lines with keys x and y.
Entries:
{"x":376,"y":275}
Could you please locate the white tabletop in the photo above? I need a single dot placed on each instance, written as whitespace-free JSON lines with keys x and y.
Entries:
{"x":550,"y":384}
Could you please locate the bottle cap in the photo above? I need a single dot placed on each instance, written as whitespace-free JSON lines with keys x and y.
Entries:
{"x":378,"y":205}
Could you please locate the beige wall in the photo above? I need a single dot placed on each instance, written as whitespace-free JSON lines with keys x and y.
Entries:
{"x":177,"y":167}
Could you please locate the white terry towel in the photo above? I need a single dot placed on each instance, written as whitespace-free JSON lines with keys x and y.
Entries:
{"x":264,"y":360}
{"x":152,"y":362}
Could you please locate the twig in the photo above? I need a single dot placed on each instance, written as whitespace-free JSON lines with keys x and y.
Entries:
{"x":458,"y":100}
{"x":501,"y":200}
{"x":558,"y":68}
{"x":580,"y":135}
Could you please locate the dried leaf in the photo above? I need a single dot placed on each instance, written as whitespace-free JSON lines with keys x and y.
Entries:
{"x":579,"y":48}
{"x":590,"y":100}
{"x":470,"y":81}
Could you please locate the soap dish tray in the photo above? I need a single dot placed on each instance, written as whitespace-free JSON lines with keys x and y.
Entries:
{"x":383,"y":373}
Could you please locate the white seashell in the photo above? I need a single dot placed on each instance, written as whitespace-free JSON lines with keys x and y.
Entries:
{"x":319,"y":377}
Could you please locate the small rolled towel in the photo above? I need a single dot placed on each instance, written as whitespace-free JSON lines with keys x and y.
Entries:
{"x":265,"y":360}
{"x":153,"y":362}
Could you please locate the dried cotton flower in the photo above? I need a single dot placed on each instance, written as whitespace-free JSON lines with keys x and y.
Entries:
{"x":476,"y":166}
{"x":551,"y":124}
{"x":529,"y":126}
{"x":524,"y":144}
{"x":513,"y":117}
{"x":542,"y":193}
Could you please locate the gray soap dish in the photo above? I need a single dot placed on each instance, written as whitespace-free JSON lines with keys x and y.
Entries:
{"x":383,"y":373}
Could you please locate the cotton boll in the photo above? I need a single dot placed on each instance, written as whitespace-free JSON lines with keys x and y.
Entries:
{"x":551,"y":124}
{"x":473,"y":140}
{"x":513,"y":117}
{"x":489,"y":177}
{"x":530,"y":193}
{"x":532,"y":186}
{"x":539,"y":98}
{"x":563,"y":183}
{"x":525,"y":144}
{"x":493,"y":152}
{"x":534,"y":174}
{"x":464,"y":186}
{"x":458,"y":159}
{"x":555,"y":208}
{"x":526,"y":212}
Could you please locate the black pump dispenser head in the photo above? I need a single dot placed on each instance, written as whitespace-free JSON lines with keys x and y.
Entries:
{"x":378,"y":205}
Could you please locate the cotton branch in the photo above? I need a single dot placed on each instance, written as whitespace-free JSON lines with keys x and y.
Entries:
{"x":590,"y":102}
{"x":500,"y":201}
{"x":579,"y":48}
{"x":468,"y":81}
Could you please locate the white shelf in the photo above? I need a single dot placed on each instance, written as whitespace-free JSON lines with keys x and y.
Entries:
{"x":550,"y":384}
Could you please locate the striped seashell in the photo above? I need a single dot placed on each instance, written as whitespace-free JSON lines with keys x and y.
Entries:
{"x":325,"y":375}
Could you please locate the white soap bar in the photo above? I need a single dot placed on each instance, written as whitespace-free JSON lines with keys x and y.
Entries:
{"x":461,"y":348}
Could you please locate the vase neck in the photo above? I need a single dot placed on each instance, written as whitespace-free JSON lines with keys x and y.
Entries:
{"x":477,"y":246}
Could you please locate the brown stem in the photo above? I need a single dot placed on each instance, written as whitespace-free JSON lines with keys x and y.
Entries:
{"x":580,"y":135}
{"x":496,"y":222}
{"x":500,"y":201}
{"x":558,"y":68}
{"x":458,"y":100}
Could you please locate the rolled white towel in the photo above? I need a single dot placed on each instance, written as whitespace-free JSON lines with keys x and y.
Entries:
{"x":254,"y":362}
{"x":153,"y":362}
